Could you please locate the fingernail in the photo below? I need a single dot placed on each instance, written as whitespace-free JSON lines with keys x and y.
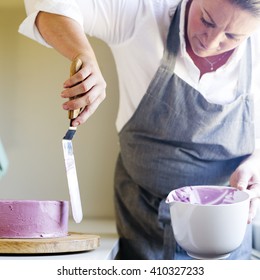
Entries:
{"x":241,"y":185}
{"x":75,"y":123}
{"x":65,"y":84}
{"x":65,"y":107}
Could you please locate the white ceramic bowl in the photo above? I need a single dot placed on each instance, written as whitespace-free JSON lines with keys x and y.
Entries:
{"x":209,"y":222}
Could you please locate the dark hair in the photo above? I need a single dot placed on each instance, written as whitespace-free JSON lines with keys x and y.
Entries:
{"x":252,"y":6}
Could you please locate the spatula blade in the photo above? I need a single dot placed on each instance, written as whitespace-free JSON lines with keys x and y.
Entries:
{"x":72,"y":180}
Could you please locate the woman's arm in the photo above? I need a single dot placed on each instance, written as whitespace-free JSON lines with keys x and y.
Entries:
{"x":68,"y":38}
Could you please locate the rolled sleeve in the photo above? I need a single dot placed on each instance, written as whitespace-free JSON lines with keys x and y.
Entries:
{"x":68,"y":8}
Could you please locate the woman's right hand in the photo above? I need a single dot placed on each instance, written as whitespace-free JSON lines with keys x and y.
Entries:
{"x":247,"y":178}
{"x":87,"y":86}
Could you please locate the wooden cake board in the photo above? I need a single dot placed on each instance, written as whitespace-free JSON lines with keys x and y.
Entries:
{"x":73,"y":242}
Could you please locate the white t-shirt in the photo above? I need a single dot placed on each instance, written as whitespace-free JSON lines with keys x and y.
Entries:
{"x":136,"y":32}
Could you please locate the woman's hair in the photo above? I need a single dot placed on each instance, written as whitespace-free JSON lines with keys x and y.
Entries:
{"x":252,"y":6}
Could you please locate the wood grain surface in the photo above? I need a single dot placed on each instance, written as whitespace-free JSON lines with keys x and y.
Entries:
{"x":73,"y":242}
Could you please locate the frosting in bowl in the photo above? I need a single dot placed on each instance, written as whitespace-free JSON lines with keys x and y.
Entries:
{"x":203,"y":195}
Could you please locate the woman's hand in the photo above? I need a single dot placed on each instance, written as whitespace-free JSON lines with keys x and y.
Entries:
{"x":247,"y":177}
{"x":87,"y":86}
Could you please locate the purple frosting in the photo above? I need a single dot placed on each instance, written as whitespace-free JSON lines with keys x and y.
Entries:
{"x":203,"y":195}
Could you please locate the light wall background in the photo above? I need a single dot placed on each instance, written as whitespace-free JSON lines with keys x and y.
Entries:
{"x":32,"y":122}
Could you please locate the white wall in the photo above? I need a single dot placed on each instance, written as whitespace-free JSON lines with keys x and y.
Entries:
{"x":32,"y":124}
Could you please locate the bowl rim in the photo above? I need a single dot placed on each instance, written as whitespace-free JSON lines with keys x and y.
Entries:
{"x":210,"y":205}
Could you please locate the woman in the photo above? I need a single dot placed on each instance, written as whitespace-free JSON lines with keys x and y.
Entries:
{"x":187,"y":74}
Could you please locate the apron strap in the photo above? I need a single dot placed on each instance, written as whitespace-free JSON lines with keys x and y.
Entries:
{"x":173,"y":40}
{"x":169,"y":243}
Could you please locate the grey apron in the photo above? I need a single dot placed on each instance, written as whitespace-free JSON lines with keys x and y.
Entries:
{"x":176,"y":138}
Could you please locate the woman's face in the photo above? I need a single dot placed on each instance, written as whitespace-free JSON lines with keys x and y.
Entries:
{"x":216,"y":26}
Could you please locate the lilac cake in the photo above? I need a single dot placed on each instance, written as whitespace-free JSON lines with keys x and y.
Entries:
{"x":33,"y":219}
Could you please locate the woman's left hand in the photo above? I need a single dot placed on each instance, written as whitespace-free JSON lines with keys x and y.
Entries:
{"x":247,"y":177}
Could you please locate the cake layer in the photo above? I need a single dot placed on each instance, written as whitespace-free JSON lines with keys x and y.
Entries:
{"x":33,"y":219}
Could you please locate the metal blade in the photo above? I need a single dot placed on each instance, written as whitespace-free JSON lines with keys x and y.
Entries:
{"x":72,"y":180}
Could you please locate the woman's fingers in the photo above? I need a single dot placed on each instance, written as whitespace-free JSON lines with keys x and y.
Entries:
{"x":85,"y":98}
{"x":254,"y":204}
{"x":92,"y":100}
{"x":82,"y":87}
{"x":80,"y":76}
{"x":85,"y":89}
{"x":246,"y":177}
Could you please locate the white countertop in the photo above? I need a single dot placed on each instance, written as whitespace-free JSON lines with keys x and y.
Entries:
{"x":107,"y":250}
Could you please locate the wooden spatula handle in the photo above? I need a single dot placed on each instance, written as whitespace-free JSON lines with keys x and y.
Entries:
{"x":74,"y":68}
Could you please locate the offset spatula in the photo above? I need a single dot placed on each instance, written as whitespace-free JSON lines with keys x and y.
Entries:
{"x":69,"y":157}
